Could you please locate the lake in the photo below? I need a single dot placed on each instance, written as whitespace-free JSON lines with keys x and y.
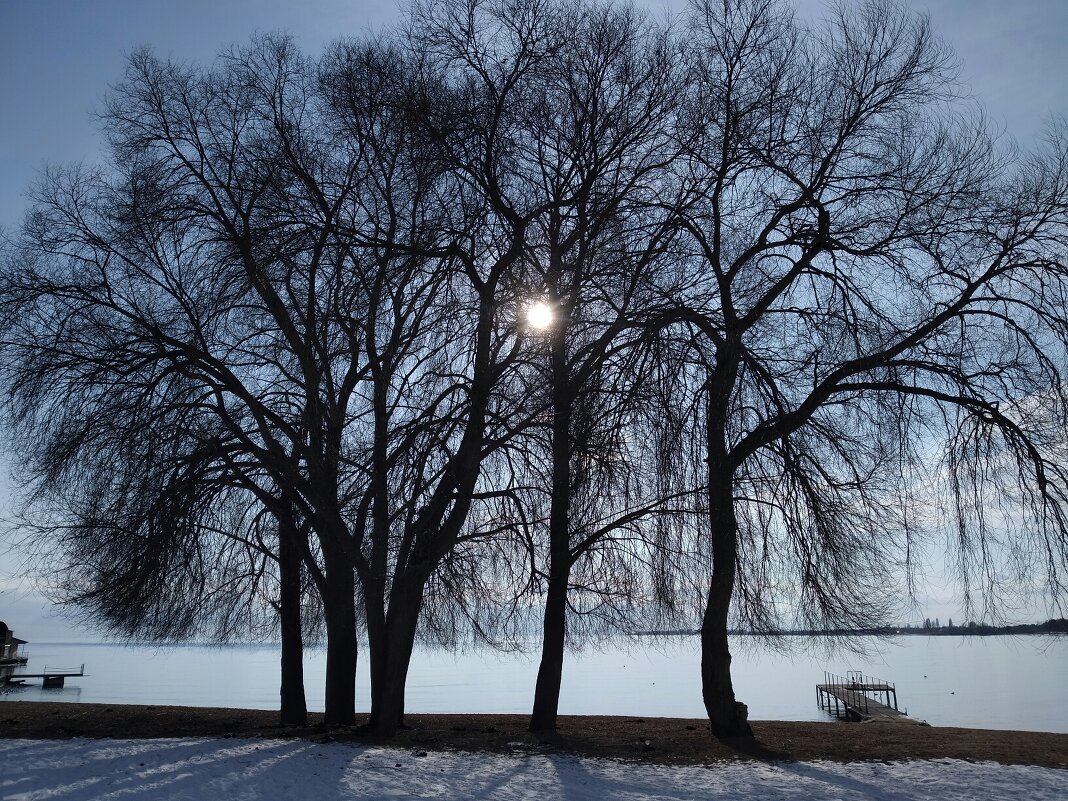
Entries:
{"x":996,"y":682}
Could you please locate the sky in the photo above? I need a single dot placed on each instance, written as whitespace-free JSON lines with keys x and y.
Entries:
{"x":58,"y":58}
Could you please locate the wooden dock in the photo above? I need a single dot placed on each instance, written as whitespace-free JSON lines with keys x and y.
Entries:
{"x":51,"y":677}
{"x":850,"y":697}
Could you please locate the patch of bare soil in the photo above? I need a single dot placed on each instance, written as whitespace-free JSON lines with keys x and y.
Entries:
{"x":674,"y":741}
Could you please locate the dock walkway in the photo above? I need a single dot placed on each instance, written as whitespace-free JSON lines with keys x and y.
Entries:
{"x":850,"y":697}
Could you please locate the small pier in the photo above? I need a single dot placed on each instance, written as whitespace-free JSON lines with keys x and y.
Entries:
{"x":51,"y":677}
{"x":850,"y":697}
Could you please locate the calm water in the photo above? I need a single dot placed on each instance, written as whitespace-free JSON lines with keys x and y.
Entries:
{"x":987,"y":682}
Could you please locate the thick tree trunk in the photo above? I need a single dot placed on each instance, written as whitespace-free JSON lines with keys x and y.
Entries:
{"x":392,"y":657}
{"x":554,"y":628}
{"x":436,"y":528}
{"x":727,"y":716}
{"x":339,"y":608}
{"x":294,"y":709}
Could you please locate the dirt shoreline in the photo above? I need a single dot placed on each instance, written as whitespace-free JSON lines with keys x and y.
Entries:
{"x":670,"y":741}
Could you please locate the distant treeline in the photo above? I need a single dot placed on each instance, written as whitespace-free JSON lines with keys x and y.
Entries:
{"x":1051,"y":626}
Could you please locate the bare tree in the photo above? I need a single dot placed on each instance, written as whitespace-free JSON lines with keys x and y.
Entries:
{"x":172,"y":281}
{"x":432,"y":346}
{"x":873,"y":282}
{"x":273,"y":240}
{"x":600,"y":130}
{"x":566,"y":130}
{"x":136,"y":525}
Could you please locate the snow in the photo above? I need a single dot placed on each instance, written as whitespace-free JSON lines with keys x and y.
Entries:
{"x":208,"y":769}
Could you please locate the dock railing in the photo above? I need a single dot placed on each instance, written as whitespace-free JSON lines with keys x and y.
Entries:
{"x":851,"y":695}
{"x":65,"y":671}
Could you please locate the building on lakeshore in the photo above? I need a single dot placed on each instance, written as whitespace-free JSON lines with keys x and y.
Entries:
{"x":9,"y":647}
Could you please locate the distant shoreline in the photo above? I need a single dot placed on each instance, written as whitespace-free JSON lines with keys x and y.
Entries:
{"x":670,"y":741}
{"x":1051,"y":627}
{"x":1054,"y":627}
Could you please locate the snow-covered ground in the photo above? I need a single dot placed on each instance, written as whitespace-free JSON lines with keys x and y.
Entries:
{"x":209,"y":769}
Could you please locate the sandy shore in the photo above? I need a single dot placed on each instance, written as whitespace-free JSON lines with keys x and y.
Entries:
{"x":667,"y":741}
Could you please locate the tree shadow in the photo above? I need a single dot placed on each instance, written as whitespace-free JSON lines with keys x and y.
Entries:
{"x":553,"y":739}
{"x":749,"y":746}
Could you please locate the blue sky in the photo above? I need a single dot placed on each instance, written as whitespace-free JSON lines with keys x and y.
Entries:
{"x":58,"y":57}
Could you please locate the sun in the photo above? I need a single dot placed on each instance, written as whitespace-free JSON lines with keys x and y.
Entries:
{"x":540,"y":315}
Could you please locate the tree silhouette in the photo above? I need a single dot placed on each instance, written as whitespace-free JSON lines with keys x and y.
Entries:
{"x":877,"y":293}
{"x":808,"y":316}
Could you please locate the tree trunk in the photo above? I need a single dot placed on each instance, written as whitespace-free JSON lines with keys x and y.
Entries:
{"x":377,"y":641}
{"x":339,"y":608}
{"x":550,"y":671}
{"x":393,"y":656}
{"x":728,"y":717}
{"x":374,"y":578}
{"x":554,"y":628}
{"x":294,"y":709}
